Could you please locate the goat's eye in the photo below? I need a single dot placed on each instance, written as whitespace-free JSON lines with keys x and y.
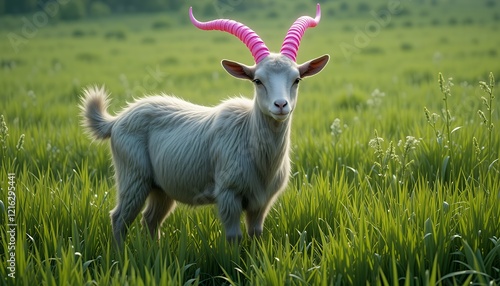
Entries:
{"x":297,"y":81}
{"x":257,"y":81}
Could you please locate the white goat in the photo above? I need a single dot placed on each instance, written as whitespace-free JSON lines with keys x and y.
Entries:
{"x":235,"y":154}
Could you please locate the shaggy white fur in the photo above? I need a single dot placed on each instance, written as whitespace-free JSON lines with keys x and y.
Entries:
{"x":235,"y":154}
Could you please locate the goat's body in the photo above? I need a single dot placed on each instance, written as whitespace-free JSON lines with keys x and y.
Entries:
{"x":235,"y":154}
{"x":172,"y":150}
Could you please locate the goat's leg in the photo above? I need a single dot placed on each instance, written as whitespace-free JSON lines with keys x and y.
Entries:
{"x":159,"y":205}
{"x":230,"y":209}
{"x":133,"y":179}
{"x":132,"y":193}
{"x":255,"y":221}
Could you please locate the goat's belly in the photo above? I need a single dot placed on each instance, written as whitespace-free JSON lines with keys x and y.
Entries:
{"x":181,"y":166}
{"x":192,"y":196}
{"x":183,"y":184}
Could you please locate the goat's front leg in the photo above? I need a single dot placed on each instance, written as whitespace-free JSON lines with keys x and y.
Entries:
{"x":255,"y":221}
{"x":230,"y":209}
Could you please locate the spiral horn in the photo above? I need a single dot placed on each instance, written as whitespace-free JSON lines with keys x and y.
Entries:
{"x":292,"y":39}
{"x":246,"y":35}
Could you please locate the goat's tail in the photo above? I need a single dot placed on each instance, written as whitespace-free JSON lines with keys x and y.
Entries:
{"x":95,"y":118}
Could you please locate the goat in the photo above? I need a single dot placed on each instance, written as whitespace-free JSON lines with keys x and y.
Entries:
{"x":235,"y":154}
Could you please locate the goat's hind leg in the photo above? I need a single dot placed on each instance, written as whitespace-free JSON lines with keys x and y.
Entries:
{"x":159,"y":205}
{"x":230,"y":209}
{"x":132,"y":194}
{"x":133,"y":173}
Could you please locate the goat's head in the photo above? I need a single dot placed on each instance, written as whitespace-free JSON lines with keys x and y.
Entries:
{"x":275,"y":76}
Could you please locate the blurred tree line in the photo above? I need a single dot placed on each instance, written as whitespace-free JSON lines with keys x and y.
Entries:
{"x":77,"y":9}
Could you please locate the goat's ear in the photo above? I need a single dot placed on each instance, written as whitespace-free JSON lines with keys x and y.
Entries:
{"x":238,"y":70}
{"x":313,"y":67}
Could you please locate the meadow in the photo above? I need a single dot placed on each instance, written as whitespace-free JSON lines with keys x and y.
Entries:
{"x":396,"y":172}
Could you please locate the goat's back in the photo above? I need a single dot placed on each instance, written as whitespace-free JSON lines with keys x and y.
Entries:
{"x":186,"y":143}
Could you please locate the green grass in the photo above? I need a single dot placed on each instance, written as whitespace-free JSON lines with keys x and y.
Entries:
{"x":395,"y":192}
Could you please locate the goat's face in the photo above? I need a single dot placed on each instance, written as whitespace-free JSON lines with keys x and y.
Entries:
{"x":276,"y":79}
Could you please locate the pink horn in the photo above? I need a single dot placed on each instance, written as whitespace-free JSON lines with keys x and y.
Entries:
{"x":294,"y":35}
{"x":246,"y":35}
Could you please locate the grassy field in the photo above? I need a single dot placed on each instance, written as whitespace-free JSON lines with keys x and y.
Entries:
{"x":395,"y":181}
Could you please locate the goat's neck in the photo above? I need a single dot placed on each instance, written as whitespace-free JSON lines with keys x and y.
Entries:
{"x":271,"y":137}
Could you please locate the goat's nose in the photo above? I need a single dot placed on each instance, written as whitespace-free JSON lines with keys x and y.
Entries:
{"x":280,"y":103}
